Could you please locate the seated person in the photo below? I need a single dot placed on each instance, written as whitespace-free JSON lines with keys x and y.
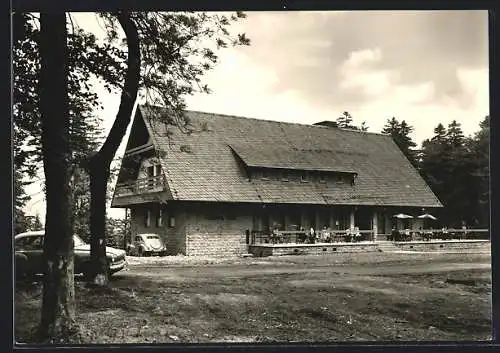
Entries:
{"x":357,"y":234}
{"x":325,"y":234}
{"x":302,"y":235}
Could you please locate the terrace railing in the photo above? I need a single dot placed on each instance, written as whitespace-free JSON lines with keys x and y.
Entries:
{"x":342,"y":236}
{"x":441,"y":234}
{"x":140,"y":186}
{"x":298,"y":237}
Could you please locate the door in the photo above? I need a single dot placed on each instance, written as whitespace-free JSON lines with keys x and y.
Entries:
{"x":363,"y":219}
{"x":381,"y":223}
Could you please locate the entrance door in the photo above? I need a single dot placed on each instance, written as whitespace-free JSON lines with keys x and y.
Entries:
{"x":381,"y":223}
{"x":363,"y":219}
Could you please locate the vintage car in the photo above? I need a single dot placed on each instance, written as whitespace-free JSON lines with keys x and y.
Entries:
{"x":29,"y":249}
{"x":147,"y":244}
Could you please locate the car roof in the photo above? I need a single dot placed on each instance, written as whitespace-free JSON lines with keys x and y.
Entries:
{"x":30,"y":234}
{"x":35,"y":233}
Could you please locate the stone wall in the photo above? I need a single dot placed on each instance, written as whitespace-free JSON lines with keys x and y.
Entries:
{"x":444,"y":245}
{"x":311,"y":249}
{"x":209,"y":235}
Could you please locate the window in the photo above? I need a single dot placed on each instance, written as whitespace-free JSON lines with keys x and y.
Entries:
{"x":138,"y":238}
{"x":159,"y":218}
{"x":284,"y":175}
{"x":147,"y":219}
{"x":322,"y":178}
{"x":265,"y":175}
{"x":214,"y":216}
{"x":157,"y":170}
{"x":29,"y":243}
{"x":171,"y":222}
{"x":304,"y":176}
{"x":150,"y":171}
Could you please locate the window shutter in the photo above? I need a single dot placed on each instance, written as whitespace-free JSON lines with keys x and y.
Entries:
{"x":147,"y":219}
{"x":159,"y":218}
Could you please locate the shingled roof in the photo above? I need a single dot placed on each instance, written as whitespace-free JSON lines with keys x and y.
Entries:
{"x":203,"y":165}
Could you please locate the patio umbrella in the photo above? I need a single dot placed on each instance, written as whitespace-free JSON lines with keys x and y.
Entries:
{"x":402,"y":216}
{"x":428,"y":216}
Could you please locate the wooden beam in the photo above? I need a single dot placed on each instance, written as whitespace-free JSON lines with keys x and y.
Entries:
{"x":139,"y":149}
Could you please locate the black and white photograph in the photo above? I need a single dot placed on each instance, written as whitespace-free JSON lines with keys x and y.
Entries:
{"x":251,"y":177}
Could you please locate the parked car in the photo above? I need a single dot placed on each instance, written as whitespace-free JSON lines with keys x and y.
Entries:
{"x":29,"y":249}
{"x":147,"y":244}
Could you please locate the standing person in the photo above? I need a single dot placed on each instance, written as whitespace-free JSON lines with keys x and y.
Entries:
{"x":311,"y":235}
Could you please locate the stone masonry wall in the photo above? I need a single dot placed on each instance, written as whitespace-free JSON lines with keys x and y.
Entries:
{"x":216,"y":237}
{"x":313,"y":249}
{"x":444,"y":245}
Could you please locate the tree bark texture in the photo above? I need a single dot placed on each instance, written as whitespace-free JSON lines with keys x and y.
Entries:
{"x":58,"y":308}
{"x":99,"y":164}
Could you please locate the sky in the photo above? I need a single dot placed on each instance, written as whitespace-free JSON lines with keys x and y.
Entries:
{"x":424,"y":67}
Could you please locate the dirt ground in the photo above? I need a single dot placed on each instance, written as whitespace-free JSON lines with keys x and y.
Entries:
{"x":344,"y":297}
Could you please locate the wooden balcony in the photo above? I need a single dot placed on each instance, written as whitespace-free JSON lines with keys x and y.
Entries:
{"x":140,"y":186}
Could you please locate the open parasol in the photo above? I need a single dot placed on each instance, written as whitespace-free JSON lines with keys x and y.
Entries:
{"x":402,"y":216}
{"x":427,"y":216}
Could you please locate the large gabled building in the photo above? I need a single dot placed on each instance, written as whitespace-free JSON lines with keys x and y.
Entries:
{"x":203,"y":188}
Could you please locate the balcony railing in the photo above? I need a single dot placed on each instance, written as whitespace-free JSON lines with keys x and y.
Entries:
{"x":140,"y":186}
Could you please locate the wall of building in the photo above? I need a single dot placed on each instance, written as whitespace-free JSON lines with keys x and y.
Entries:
{"x":173,"y":236}
{"x":217,"y":230}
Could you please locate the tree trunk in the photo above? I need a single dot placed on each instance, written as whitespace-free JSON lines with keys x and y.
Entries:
{"x":100,"y":163}
{"x":99,"y":176}
{"x":58,"y":308}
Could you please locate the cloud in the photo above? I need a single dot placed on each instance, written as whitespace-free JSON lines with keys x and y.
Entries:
{"x":421,"y":45}
{"x":358,"y":76}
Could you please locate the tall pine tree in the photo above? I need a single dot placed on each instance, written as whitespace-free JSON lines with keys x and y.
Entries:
{"x":455,"y":168}
{"x":400,"y":132}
